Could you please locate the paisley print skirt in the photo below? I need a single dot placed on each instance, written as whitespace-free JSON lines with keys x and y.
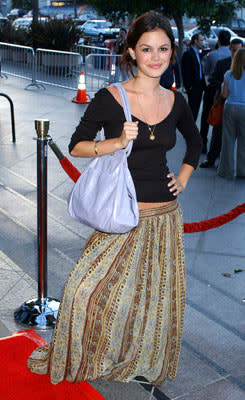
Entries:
{"x":122,"y":309}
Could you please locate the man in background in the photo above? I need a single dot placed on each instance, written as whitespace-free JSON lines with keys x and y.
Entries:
{"x":192,"y":73}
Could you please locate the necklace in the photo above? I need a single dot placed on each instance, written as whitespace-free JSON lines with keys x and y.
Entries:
{"x":151,"y":128}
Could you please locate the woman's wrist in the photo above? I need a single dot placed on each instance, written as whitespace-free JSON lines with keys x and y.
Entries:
{"x":119,"y":144}
{"x":181,"y":185}
{"x":107,"y":146}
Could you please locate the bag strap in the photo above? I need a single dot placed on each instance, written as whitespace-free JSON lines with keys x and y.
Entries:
{"x":126,"y":108}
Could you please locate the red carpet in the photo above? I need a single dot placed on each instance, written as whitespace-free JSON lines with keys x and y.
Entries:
{"x":18,"y":383}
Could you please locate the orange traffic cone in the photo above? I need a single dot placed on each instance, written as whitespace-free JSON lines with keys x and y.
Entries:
{"x":81,"y":96}
{"x":174,"y":87}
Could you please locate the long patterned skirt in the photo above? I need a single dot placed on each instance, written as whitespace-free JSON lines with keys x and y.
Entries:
{"x":122,"y":310}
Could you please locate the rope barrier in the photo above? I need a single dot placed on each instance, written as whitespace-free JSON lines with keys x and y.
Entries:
{"x":191,"y":227}
{"x":68,"y":167}
{"x":215,"y":222}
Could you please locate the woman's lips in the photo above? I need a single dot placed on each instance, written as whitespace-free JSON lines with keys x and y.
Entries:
{"x":155,"y":66}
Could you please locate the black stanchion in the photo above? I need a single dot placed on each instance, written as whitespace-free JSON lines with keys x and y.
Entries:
{"x":40,"y":312}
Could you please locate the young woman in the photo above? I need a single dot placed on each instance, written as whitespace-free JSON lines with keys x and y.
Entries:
{"x":122,"y":311}
{"x":233,"y":118}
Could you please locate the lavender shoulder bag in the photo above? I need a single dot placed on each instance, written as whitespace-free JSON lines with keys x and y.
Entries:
{"x":104,"y":196}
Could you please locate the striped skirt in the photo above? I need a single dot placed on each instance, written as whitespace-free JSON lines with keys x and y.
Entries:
{"x":122,"y":309}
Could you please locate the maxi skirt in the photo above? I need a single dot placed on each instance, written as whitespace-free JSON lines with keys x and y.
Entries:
{"x":122,"y":309}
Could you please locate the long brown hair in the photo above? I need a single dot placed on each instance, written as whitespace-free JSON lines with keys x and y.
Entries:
{"x":147,"y":22}
{"x":238,"y":63}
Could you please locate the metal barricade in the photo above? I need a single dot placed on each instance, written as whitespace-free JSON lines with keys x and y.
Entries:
{"x":101,"y":70}
{"x":61,"y":68}
{"x":58,"y":68}
{"x":12,"y":115}
{"x":85,"y":50}
{"x":17,"y":60}
{"x":1,"y":74}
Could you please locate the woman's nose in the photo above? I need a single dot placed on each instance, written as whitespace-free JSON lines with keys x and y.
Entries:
{"x":155,"y":55}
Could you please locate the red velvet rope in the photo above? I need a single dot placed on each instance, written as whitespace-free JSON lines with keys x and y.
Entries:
{"x":214,"y":222}
{"x":191,"y":227}
{"x":69,"y":168}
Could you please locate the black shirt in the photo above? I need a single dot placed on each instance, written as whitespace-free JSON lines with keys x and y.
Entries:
{"x":147,"y":161}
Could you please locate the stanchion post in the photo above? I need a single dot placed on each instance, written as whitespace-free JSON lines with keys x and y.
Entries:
{"x":40,"y":313}
{"x":42,"y":127}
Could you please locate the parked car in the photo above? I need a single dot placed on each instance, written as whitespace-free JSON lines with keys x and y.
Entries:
{"x":211,"y":40}
{"x":237,"y":25}
{"x":15,"y":13}
{"x":22,"y":23}
{"x":25,"y":23}
{"x":99,"y":29}
{"x":3,"y":21}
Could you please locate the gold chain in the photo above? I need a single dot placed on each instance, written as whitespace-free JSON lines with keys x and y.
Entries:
{"x":151,"y":129}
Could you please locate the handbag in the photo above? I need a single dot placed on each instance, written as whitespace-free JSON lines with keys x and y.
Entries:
{"x":216,"y":112}
{"x":104,"y":197}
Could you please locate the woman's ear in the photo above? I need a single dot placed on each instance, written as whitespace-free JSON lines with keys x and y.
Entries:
{"x":132,"y":53}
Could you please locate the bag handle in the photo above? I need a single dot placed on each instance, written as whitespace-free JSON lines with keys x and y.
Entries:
{"x":126,"y":108}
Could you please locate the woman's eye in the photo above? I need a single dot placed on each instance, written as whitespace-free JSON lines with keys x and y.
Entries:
{"x":146,"y":50}
{"x":164,"y":48}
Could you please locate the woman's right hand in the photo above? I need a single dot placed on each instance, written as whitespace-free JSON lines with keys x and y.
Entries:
{"x":130,"y":132}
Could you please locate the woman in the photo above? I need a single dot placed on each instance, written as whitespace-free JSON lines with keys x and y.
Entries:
{"x":233,"y":91}
{"x":122,"y":311}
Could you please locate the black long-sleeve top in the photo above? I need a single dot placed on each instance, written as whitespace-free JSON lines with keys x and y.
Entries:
{"x":147,"y":161}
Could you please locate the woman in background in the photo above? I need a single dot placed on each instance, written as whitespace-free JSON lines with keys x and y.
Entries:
{"x":233,"y":119}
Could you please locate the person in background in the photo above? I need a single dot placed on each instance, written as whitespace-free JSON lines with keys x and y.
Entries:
{"x":192,"y":73}
{"x":186,"y":43}
{"x":171,"y":77}
{"x":118,"y":50}
{"x":233,"y":91}
{"x":216,"y":81}
{"x":222,"y":52}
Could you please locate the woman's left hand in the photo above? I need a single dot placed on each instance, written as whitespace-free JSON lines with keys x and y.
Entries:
{"x":174,"y":185}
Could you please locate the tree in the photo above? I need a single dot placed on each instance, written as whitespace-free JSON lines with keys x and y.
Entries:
{"x":212,"y":10}
{"x":25,"y":4}
{"x":35,"y":11}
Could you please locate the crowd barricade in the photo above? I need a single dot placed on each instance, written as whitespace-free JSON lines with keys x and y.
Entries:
{"x":85,"y":50}
{"x":100,"y":71}
{"x":17,"y":60}
{"x":58,"y":68}
{"x":61,"y":68}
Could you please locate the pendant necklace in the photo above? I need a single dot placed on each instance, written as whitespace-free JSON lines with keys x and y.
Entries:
{"x":151,"y":128}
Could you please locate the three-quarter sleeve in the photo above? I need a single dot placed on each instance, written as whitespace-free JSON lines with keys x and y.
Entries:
{"x":92,"y":120}
{"x":186,"y":125}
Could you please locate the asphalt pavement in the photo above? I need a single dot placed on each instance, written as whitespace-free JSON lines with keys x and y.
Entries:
{"x":212,"y":362}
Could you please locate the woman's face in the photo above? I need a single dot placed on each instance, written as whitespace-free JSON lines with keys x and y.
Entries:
{"x":152,"y":53}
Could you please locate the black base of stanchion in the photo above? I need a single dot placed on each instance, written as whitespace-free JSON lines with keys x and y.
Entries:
{"x":38,"y":313}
